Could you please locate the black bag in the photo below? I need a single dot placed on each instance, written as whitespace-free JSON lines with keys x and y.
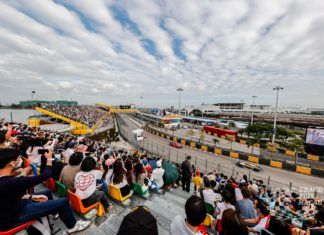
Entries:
{"x":138,"y":222}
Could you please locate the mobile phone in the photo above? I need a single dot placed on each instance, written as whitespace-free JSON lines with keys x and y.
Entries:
{"x":43,"y":151}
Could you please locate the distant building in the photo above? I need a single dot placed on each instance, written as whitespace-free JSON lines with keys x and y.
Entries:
{"x":30,"y":103}
{"x":229,"y":105}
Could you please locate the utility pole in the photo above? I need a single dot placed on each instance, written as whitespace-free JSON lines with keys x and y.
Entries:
{"x":179,"y":90}
{"x":277,"y":88}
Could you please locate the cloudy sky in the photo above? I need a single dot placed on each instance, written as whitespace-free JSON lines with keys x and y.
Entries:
{"x":118,"y":51}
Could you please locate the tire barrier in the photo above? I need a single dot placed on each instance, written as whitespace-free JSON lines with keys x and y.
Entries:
{"x":289,"y":166}
{"x":246,"y":157}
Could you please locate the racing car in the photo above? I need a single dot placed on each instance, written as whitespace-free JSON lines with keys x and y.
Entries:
{"x":175,"y":144}
{"x":248,"y":165}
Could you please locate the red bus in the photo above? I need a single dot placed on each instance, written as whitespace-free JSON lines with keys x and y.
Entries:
{"x":220,"y":132}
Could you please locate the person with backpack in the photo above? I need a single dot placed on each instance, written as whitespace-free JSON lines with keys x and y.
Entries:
{"x":186,"y":168}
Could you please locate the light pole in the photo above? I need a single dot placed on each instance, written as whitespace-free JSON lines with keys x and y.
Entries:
{"x":179,"y":90}
{"x":141,"y":98}
{"x":253,"y":97}
{"x":242,"y":108}
{"x":277,"y":88}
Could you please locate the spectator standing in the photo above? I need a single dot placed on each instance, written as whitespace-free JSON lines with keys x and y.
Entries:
{"x":186,"y":174}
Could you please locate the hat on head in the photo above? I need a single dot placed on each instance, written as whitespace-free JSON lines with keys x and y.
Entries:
{"x":109,"y":161}
{"x":159,"y":164}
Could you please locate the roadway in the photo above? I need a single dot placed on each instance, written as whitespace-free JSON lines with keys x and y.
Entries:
{"x":278,"y":178}
{"x":226,"y":144}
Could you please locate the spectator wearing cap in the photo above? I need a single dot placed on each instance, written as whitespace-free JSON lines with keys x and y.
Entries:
{"x":195,"y":211}
{"x":69,"y":171}
{"x":157,"y":175}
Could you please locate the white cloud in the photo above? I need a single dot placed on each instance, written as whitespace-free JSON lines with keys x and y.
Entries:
{"x":233,"y":49}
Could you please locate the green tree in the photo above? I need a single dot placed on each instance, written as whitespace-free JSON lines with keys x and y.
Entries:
{"x":231,"y":124}
{"x":216,"y":141}
{"x":190,"y":133}
{"x":201,"y":137}
{"x":297,"y":145}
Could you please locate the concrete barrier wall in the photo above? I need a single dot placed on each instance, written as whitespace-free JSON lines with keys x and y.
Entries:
{"x":276,"y":164}
{"x":304,"y":170}
{"x":253,"y":159}
{"x":313,"y":157}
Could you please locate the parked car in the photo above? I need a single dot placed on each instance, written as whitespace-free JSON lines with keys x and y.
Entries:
{"x":175,"y":144}
{"x":248,"y":165}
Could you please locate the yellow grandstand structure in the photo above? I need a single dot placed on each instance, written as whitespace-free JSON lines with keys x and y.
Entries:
{"x":78,"y":128}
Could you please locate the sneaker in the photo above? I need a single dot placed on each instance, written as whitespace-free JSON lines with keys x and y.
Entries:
{"x":56,"y":216}
{"x":79,"y":226}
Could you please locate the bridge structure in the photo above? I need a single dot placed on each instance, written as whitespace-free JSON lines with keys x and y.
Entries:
{"x":116,"y":108}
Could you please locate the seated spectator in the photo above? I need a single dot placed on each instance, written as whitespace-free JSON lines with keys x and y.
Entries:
{"x":195,"y":214}
{"x":148,"y":168}
{"x":15,"y":210}
{"x":225,"y":204}
{"x":140,"y":174}
{"x":208,"y":193}
{"x":69,"y":171}
{"x":85,"y":184}
{"x":157,"y":175}
{"x":245,"y":206}
{"x":129,"y":171}
{"x":119,"y":180}
{"x":233,"y":224}
{"x":278,"y":226}
{"x":262,"y":222}
{"x":221,"y":207}
{"x":109,"y":163}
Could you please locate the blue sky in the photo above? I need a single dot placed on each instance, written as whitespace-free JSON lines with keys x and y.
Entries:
{"x":118,"y":51}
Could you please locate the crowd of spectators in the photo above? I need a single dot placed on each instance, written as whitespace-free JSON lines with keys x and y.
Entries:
{"x":238,"y":205}
{"x":86,"y":114}
{"x":242,"y":206}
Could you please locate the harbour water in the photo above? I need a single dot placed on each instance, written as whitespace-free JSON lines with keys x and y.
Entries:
{"x":18,"y":115}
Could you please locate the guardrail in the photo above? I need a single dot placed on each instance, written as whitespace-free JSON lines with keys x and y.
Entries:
{"x":177,"y":156}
